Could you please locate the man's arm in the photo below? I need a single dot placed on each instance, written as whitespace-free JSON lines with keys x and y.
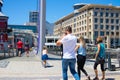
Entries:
{"x":59,"y":43}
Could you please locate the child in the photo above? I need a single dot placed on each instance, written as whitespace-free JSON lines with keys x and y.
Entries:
{"x":44,"y":56}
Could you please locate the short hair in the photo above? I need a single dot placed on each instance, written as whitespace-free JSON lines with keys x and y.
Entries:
{"x":44,"y":47}
{"x":99,"y":39}
{"x":69,"y":29}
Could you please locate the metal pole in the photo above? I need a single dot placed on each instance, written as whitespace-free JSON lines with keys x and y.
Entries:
{"x":109,"y":61}
{"x":41,"y":25}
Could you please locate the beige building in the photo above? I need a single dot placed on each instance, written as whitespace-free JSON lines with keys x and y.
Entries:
{"x":92,"y":20}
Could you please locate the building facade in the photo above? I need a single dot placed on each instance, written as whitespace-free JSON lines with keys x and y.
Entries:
{"x":24,"y":27}
{"x":92,"y":20}
{"x":33,"y":16}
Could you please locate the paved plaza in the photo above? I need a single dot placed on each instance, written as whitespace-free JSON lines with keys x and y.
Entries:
{"x":30,"y":68}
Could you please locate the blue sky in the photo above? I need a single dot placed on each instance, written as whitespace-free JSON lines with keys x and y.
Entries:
{"x":18,"y":10}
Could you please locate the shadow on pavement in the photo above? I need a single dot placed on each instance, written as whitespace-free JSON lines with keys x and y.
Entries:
{"x":49,"y":66}
{"x":49,"y":58}
{"x":110,"y":79}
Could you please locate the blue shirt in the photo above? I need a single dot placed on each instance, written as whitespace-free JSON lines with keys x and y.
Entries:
{"x":82,"y":50}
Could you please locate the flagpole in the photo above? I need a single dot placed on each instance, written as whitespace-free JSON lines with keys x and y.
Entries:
{"x":41,"y":25}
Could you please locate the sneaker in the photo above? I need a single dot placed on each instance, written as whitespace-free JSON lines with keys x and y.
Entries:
{"x":95,"y":78}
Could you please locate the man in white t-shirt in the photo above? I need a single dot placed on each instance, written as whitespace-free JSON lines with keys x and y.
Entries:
{"x":69,"y":42}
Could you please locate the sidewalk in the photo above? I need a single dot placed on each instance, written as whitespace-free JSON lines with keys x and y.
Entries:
{"x":23,"y":68}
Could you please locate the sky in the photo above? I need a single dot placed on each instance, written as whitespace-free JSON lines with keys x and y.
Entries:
{"x":18,"y":10}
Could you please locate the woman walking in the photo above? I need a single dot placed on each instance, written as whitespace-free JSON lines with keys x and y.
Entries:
{"x":100,"y":58}
{"x":81,"y":57}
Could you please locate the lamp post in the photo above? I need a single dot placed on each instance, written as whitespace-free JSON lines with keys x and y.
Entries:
{"x":119,"y":35}
{"x":114,"y":38}
{"x":41,"y":25}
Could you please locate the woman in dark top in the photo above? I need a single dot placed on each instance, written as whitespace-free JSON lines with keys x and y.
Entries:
{"x":27,"y":48}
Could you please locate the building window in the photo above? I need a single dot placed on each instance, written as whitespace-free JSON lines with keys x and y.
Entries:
{"x":112,"y":27}
{"x":96,"y":33}
{"x":107,"y":9}
{"x":101,"y":26}
{"x":117,"y":21}
{"x":74,"y":25}
{"x":96,"y":20}
{"x":112,"y":33}
{"x":85,"y":21}
{"x":117,"y":33}
{"x":117,"y":15}
{"x":107,"y":27}
{"x":112,"y":14}
{"x":107,"y":14}
{"x":112,"y":20}
{"x":85,"y":33}
{"x":117,"y":27}
{"x":95,"y":13}
{"x":80,"y":17}
{"x":102,"y":8}
{"x":89,"y":20}
{"x":74,"y":19}
{"x":101,"y":33}
{"x":96,"y":26}
{"x":107,"y":33}
{"x":82,"y":22}
{"x":101,"y":14}
{"x":101,"y":20}
{"x":107,"y":20}
{"x":97,"y":8}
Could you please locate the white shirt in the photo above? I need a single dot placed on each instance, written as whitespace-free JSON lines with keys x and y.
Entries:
{"x":69,"y":43}
{"x":44,"y":52}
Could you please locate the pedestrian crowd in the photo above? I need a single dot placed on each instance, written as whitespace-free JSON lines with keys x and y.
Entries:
{"x":73,"y":52}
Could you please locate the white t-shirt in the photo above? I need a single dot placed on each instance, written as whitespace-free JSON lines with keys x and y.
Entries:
{"x":44,"y":51}
{"x":69,"y":43}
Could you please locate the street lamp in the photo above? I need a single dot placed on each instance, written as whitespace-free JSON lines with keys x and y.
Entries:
{"x":114,"y":37}
{"x":119,"y":35}
{"x":41,"y":25}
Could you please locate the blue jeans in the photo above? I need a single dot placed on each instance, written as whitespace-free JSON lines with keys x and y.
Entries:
{"x":71,"y":64}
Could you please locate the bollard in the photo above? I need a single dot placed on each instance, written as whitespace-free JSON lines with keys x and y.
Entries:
{"x":110,"y":66}
{"x":109,"y":61}
{"x":118,"y":57}
{"x":119,"y":63}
